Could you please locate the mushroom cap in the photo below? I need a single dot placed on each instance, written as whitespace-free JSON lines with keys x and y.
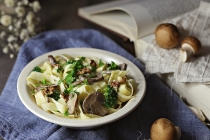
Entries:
{"x":194,"y":43}
{"x":164,"y":129}
{"x":93,"y":104}
{"x":167,"y":35}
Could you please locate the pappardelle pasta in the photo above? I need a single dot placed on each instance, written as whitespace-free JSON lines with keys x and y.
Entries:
{"x":81,"y":87}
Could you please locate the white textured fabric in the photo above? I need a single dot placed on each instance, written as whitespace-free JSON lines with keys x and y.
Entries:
{"x":159,"y":60}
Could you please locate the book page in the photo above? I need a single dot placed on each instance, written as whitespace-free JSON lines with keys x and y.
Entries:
{"x":115,"y":20}
{"x":166,"y":9}
{"x":149,"y":13}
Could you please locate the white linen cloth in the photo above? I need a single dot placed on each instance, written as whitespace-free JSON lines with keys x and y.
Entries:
{"x":158,"y":60}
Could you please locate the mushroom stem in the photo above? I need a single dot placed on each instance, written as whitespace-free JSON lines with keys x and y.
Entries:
{"x":186,"y":51}
{"x":191,"y":46}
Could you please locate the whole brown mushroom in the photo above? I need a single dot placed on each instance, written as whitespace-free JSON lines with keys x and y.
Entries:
{"x":164,"y":129}
{"x":167,"y":35}
{"x":190,"y":46}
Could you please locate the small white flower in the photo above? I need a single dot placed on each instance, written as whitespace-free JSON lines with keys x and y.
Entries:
{"x":11,"y":38}
{"x":10,"y":27}
{"x":9,"y":3}
{"x":20,"y":11}
{"x":10,"y":46}
{"x":6,"y":20}
{"x":11,"y":55}
{"x":36,"y":6}
{"x":2,"y":34}
{"x":18,"y":24}
{"x":21,"y":24}
{"x":23,"y":34}
{"x":5,"y":50}
{"x":25,"y":2}
{"x":30,"y":17}
{"x":16,"y":47}
{"x":30,"y":28}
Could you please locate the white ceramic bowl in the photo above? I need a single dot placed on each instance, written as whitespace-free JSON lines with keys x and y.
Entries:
{"x":29,"y":101}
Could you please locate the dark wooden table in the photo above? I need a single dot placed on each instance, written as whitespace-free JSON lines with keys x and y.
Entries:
{"x":55,"y":14}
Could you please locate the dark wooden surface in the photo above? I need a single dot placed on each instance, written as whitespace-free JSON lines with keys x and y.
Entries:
{"x":55,"y":14}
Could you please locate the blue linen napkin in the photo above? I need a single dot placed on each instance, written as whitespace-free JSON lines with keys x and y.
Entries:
{"x":17,"y":123}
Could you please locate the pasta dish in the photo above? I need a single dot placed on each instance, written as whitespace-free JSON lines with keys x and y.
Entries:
{"x":81,"y":87}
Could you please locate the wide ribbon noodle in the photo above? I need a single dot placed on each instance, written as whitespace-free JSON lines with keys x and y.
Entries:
{"x":80,"y":87}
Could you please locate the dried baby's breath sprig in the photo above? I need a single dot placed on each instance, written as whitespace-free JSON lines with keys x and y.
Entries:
{"x":18,"y":23}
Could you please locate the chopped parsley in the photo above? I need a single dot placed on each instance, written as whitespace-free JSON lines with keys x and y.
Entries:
{"x":71,"y":77}
{"x":66,"y":113}
{"x":101,"y":63}
{"x":60,"y":69}
{"x":70,"y":90}
{"x":93,"y":69}
{"x":37,"y":69}
{"x":76,"y":66}
{"x":59,"y":82}
{"x":33,"y":92}
{"x":91,"y":75}
{"x":86,"y":82}
{"x":45,"y":82}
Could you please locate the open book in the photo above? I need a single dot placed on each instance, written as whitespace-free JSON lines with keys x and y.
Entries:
{"x":137,"y":20}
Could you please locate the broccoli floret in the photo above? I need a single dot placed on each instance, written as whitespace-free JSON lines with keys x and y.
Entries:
{"x":113,"y":66}
{"x":55,"y":95}
{"x":111,"y":97}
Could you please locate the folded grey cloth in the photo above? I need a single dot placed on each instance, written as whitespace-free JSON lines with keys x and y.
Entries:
{"x":18,"y":123}
{"x":195,"y":23}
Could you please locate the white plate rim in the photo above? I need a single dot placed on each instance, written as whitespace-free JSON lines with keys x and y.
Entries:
{"x":25,"y":97}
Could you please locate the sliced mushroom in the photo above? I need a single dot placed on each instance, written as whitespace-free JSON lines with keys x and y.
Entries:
{"x":93,"y":63}
{"x":52,"y":60}
{"x":123,"y":66}
{"x":72,"y":103}
{"x":93,"y":104}
{"x":82,"y":78}
{"x":79,"y":81}
{"x":190,"y":46}
{"x":96,"y":79}
{"x":106,"y":72}
{"x":164,"y":129}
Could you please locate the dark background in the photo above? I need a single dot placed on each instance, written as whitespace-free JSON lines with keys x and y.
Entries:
{"x":54,"y":15}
